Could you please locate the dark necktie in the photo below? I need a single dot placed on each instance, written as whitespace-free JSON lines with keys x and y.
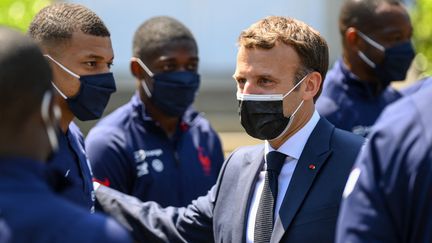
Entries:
{"x":265,"y":214}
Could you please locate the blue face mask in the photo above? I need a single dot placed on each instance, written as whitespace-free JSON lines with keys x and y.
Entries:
{"x":93,"y":95}
{"x":173,"y":92}
{"x":397,"y":60}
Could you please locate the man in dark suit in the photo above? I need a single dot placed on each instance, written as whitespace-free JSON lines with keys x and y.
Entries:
{"x":281,"y":63}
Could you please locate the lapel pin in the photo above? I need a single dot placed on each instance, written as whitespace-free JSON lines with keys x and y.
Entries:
{"x":312,"y":167}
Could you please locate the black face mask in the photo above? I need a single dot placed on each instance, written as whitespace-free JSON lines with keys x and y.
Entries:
{"x":262,"y":115}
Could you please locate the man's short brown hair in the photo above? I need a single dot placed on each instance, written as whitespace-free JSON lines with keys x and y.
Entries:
{"x":307,"y":42}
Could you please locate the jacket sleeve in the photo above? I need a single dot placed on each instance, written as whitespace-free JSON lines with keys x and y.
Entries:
{"x":149,"y":222}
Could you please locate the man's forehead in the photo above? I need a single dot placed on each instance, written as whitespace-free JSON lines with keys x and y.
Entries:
{"x":90,"y":45}
{"x":280,"y":56}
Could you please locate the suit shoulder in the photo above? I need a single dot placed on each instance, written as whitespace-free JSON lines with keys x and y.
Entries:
{"x":347,"y":140}
{"x":248,"y":149}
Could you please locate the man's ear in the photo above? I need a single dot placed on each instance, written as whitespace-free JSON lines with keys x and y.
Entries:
{"x":312,"y":85}
{"x":351,"y":37}
{"x":136,"y":70}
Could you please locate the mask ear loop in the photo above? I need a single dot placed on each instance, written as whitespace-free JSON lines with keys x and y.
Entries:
{"x":366,"y":59}
{"x":66,"y":70}
{"x":372,"y":43}
{"x":295,"y":111}
{"x":52,"y":136}
{"x":290,"y":121}
{"x":63,"y":67}
{"x":295,"y":86}
{"x":149,"y":73}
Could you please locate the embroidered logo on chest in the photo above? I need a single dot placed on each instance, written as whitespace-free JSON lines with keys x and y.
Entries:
{"x":146,"y":158}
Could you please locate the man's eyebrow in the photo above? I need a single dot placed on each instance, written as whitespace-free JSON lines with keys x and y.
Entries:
{"x":269,"y":76}
{"x":97,"y":57}
{"x":165,"y":58}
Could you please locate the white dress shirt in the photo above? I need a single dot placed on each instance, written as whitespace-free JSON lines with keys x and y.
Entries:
{"x":293,"y":148}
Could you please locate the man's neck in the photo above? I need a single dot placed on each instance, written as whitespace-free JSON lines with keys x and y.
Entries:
{"x":66,"y":114}
{"x":66,"y":119}
{"x":167,"y":123}
{"x":368,"y":78}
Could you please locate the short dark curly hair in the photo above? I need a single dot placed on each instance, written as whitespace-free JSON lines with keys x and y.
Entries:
{"x":57,"y":22}
{"x":360,"y":13}
{"x":159,"y":33}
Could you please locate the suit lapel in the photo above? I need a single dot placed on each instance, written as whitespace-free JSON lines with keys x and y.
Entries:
{"x":253,"y":163}
{"x":313,"y":157}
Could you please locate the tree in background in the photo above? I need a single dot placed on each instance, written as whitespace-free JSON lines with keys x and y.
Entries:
{"x":422,"y":19}
{"x":19,"y":13}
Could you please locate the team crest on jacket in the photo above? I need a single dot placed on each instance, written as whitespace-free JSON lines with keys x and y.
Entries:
{"x":145,"y":158}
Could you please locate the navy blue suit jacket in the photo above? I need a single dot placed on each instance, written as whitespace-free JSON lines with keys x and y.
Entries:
{"x":308,"y":212}
{"x":389,"y":195}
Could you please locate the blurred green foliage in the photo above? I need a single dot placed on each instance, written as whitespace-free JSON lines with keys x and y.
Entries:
{"x":19,"y":13}
{"x":422,"y":22}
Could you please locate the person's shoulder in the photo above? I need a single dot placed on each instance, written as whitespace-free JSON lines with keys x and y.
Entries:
{"x":247,"y":151}
{"x":197,"y":119}
{"x":390,"y":94}
{"x":112,"y":127}
{"x":412,"y":111}
{"x":118,"y":117}
{"x":418,"y":85}
{"x":97,"y":228}
{"x":77,"y":225}
{"x":104,"y":135}
{"x":348,"y":138}
{"x":346,"y":141}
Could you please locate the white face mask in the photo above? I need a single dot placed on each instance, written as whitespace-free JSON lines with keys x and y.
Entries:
{"x":50,"y":130}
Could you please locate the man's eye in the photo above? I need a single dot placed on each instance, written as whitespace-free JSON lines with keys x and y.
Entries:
{"x":192,"y":67}
{"x":168,"y":67}
{"x":91,"y":64}
{"x":241,"y":81}
{"x":265,"y":81}
{"x":110,"y":64}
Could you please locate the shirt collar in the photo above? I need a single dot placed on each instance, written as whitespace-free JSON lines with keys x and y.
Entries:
{"x":293,"y":147}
